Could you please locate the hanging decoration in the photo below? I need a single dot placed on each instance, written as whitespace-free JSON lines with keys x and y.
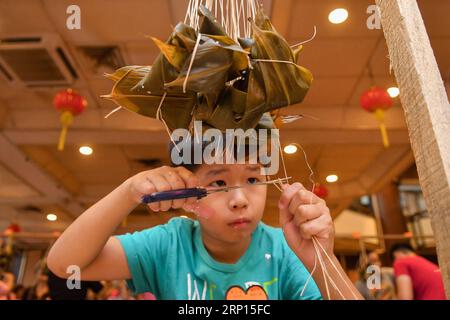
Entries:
{"x":228,"y":72}
{"x":13,"y":228}
{"x":321,"y":191}
{"x":377,"y":101}
{"x":70,"y":104}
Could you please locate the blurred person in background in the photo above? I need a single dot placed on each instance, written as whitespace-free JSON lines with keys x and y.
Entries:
{"x":386,"y":290}
{"x":58,"y":289}
{"x":6,"y":286}
{"x":40,"y":290}
{"x":416,"y":277}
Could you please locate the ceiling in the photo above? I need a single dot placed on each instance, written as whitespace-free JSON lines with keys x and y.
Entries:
{"x":338,"y":136}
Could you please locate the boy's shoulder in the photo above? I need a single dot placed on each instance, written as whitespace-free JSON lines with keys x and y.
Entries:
{"x":270,"y":231}
{"x":180,"y":226}
{"x":273,"y":235}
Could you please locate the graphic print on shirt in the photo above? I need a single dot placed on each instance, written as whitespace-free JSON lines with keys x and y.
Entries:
{"x":196,"y":294}
{"x":197,"y":290}
{"x":255,"y":292}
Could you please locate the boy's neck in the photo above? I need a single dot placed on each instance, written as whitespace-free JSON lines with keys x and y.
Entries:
{"x":225,"y":252}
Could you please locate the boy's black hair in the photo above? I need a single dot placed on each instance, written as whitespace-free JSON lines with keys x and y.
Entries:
{"x":402,"y":247}
{"x":192,"y":166}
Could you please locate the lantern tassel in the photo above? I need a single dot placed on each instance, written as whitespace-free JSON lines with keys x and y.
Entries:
{"x":380,"y":115}
{"x":66,"y":121}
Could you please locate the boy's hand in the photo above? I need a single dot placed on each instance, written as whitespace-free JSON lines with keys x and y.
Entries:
{"x":302,"y":216}
{"x":161,"y":179}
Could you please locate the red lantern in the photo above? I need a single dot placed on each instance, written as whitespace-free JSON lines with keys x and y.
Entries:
{"x":377,"y":100}
{"x":13,"y":228}
{"x":321,"y":191}
{"x":70,"y":104}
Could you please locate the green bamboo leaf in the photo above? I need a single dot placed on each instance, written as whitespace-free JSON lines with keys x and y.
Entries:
{"x":176,"y":109}
{"x":240,"y":55}
{"x":297,"y":52}
{"x":209,"y":23}
{"x":224,"y":115}
{"x":209,"y":71}
{"x":119,"y":73}
{"x":176,"y":56}
{"x":284,"y":82}
{"x":184,"y":36}
{"x":221,"y":88}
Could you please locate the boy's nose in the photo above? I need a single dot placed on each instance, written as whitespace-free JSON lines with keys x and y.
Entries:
{"x":238,"y":200}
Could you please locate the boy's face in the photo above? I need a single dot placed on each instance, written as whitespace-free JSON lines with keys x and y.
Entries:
{"x":231,"y":216}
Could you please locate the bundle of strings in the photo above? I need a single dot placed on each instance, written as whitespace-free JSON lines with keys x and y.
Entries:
{"x":233,"y":15}
{"x":321,"y":254}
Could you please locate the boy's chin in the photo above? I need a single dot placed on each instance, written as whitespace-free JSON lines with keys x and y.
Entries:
{"x":240,"y":232}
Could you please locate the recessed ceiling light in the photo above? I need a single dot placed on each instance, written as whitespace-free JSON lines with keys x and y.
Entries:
{"x":85,"y":150}
{"x":364,"y":200}
{"x":52,"y":217}
{"x":290,"y":149}
{"x":332,"y":178}
{"x":394,"y":92}
{"x":338,"y":16}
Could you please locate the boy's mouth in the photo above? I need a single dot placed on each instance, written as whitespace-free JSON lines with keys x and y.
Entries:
{"x":239,"y":223}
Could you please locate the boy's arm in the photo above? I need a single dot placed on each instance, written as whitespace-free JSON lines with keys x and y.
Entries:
{"x":87,"y":242}
{"x":303,"y":215}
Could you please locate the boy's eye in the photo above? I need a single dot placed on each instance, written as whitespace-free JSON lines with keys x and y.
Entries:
{"x":218,"y":184}
{"x":253,"y":180}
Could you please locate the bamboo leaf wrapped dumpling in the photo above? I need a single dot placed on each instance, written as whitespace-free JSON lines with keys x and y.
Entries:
{"x":209,"y":76}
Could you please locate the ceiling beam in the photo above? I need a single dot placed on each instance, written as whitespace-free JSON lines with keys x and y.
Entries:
{"x":19,"y":164}
{"x":3,"y":115}
{"x":385,"y":168}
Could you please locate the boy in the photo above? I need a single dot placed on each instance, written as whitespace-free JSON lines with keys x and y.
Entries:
{"x":228,"y":253}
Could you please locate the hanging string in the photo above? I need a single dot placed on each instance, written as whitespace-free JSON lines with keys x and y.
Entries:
{"x":194,"y":53}
{"x":316,"y":244}
{"x":277,"y":61}
{"x":306,"y":41}
{"x":112,"y":112}
{"x":337,"y":270}
{"x":309,"y":277}
{"x":282,"y":159}
{"x":311,"y":171}
{"x":161,"y":118}
{"x":235,"y":16}
{"x":188,"y":12}
{"x":322,"y":267}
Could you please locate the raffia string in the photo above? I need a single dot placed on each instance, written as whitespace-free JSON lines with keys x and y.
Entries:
{"x":306,"y":41}
{"x":160,"y":117}
{"x":233,"y":15}
{"x":112,"y":112}
{"x":194,"y":53}
{"x":318,"y":247}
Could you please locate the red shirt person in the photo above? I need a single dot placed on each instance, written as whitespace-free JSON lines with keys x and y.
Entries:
{"x":416,"y":277}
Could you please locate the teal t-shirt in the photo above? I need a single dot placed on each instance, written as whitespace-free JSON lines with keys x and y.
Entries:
{"x":172,"y":262}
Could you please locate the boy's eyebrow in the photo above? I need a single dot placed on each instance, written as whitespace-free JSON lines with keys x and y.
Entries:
{"x":253,"y":168}
{"x":214,"y":172}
